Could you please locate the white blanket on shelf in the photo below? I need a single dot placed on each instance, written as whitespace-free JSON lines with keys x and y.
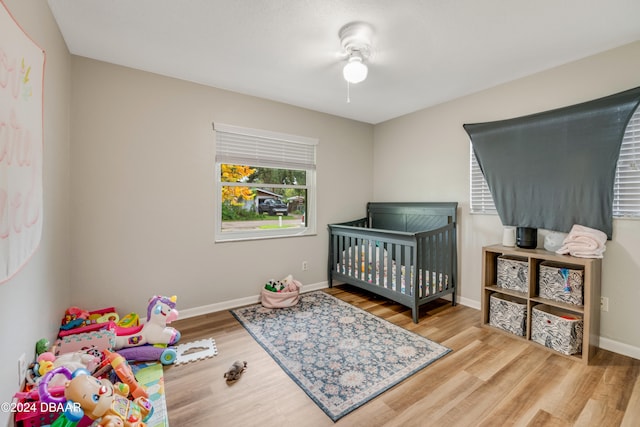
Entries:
{"x":584,"y":242}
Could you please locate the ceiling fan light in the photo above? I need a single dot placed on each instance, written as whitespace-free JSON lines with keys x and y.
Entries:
{"x":355,"y":71}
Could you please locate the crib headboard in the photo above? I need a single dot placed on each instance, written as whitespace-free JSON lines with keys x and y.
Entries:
{"x":411,"y":217}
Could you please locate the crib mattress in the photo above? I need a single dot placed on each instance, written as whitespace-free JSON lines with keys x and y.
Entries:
{"x":374,"y":276}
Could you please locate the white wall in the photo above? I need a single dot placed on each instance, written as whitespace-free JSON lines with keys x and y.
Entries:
{"x":33,"y":302}
{"x":143,"y":187}
{"x":425,"y":156}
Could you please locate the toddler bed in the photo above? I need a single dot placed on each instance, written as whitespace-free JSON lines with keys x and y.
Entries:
{"x":405,"y":252}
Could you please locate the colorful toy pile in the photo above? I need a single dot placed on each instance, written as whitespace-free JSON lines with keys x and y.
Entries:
{"x":91,"y":357}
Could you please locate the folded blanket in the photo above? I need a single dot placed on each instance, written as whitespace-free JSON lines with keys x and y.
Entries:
{"x":584,"y":242}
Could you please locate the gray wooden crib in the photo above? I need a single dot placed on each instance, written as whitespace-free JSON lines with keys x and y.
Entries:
{"x":406,"y":252}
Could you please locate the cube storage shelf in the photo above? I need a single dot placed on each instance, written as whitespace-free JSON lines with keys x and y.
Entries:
{"x":589,"y":311}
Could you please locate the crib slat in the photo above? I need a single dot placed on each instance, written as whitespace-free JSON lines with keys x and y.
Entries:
{"x":437,"y":268}
{"x":420,"y":268}
{"x":446,"y":269}
{"x":406,"y":262}
{"x":439,"y":263}
{"x":356,"y":262}
{"x":397,"y":266}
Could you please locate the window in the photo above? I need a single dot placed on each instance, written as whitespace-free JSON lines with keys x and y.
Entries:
{"x":265,"y":184}
{"x":626,"y":197}
{"x":481,"y":200}
{"x":626,"y":187}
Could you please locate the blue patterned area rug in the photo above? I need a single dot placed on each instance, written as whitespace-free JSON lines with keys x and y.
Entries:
{"x":340,"y":355}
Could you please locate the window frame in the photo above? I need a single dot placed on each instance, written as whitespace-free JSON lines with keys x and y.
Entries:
{"x":626,"y":184}
{"x":278,"y":139}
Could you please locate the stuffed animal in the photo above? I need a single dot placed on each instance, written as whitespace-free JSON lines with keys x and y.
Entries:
{"x":73,"y":361}
{"x":77,"y":360}
{"x":290,"y":284}
{"x":235,"y":371}
{"x":274,"y":285}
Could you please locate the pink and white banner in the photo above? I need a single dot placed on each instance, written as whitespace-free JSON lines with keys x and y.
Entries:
{"x":21,"y":145}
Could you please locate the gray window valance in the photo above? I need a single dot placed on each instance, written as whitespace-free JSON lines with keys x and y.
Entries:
{"x":555,"y":169}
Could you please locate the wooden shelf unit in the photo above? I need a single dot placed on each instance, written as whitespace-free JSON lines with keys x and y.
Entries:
{"x":590,"y":310}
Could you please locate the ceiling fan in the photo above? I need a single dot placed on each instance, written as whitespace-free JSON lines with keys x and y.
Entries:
{"x":355,"y":38}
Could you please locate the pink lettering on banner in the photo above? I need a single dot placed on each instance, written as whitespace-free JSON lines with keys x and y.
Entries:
{"x":19,"y":208}
{"x":21,"y":153}
{"x":9,"y":75}
{"x":15,"y":142}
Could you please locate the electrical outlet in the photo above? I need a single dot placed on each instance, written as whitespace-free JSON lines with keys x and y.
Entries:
{"x":22,"y":369}
{"x":604,"y":304}
{"x":305,"y":265}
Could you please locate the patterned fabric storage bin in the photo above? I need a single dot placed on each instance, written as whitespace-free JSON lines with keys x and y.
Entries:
{"x":560,"y":283}
{"x":557,"y":329}
{"x":508,"y":313}
{"x":513,"y":273}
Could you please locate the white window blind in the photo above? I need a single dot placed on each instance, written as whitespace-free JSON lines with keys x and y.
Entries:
{"x":626,"y":198}
{"x":481,"y":200}
{"x":626,"y":191}
{"x":236,"y":145}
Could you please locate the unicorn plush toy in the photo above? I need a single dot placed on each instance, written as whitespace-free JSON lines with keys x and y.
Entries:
{"x":160,"y":311}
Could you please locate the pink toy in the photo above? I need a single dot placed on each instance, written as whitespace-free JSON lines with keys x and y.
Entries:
{"x":100,"y":340}
{"x":45,"y":362}
{"x":78,"y":321}
{"x":47,"y":355}
{"x":291,"y":284}
{"x":161,"y":310}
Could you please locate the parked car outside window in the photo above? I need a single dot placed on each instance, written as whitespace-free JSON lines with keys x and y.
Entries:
{"x":272,"y":207}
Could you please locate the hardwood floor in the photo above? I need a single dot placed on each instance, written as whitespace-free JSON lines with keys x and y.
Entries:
{"x":489,"y":379}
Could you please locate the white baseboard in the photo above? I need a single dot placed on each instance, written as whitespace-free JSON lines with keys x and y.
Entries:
{"x":469,"y":303}
{"x":620,"y":348}
{"x":605,"y":343}
{"x":228,"y":305}
{"x":254,"y":299}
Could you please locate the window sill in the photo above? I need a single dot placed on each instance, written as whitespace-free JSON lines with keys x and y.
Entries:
{"x":243,"y":238}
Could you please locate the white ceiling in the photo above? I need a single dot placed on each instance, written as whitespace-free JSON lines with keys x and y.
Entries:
{"x":424,"y":51}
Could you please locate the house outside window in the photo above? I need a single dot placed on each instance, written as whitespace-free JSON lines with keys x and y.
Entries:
{"x":626,"y":190}
{"x":265,"y":184}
